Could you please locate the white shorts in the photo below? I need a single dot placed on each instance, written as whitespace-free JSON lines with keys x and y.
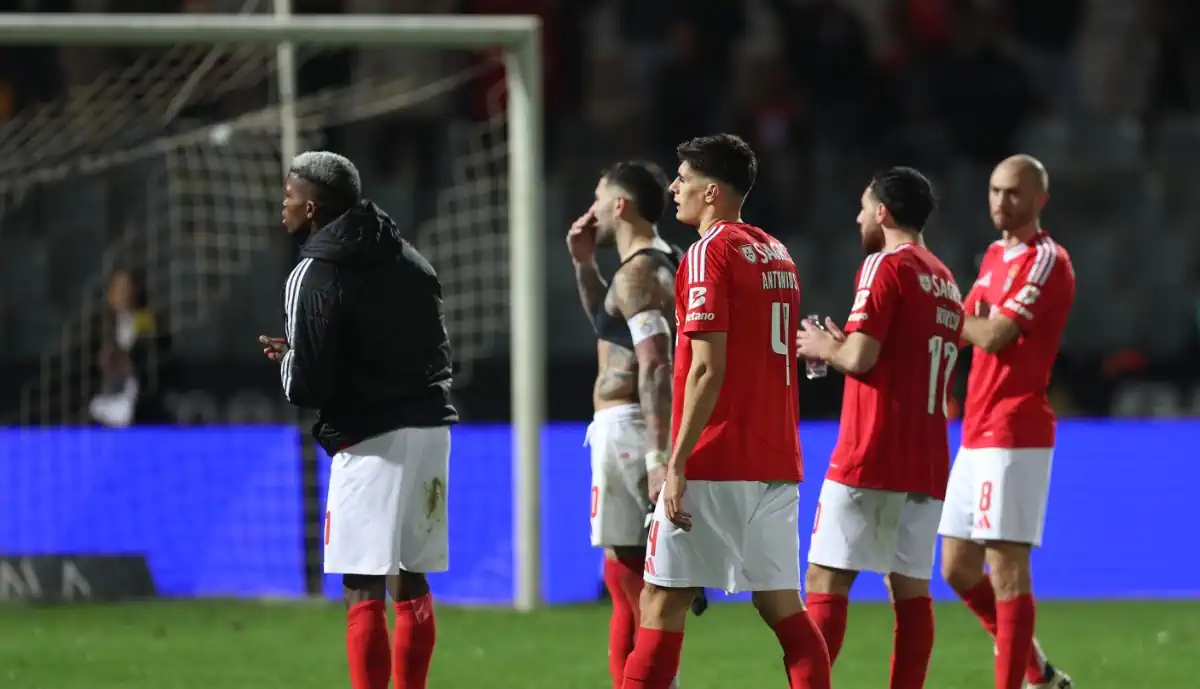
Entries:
{"x":869,"y":530}
{"x":744,"y":537}
{"x":620,"y":500}
{"x":387,"y":504}
{"x":998,"y":494}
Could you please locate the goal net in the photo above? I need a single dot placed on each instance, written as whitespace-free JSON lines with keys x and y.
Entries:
{"x":169,"y":162}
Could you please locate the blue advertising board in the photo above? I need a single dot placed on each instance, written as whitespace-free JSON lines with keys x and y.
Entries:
{"x":219,"y":511}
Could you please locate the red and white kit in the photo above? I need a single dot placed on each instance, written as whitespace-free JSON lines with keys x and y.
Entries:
{"x":743,"y":473}
{"x":1001,"y":477}
{"x":882,"y":496}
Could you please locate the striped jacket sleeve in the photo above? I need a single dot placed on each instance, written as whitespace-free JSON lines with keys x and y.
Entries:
{"x":312,"y":309}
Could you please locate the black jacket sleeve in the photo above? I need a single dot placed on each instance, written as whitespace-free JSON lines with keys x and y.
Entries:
{"x":312,"y":308}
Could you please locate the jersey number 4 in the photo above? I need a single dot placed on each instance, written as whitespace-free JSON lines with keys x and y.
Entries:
{"x":942,"y":357}
{"x":781,"y":335}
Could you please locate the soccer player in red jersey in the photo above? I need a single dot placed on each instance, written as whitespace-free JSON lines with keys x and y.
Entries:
{"x":727,"y":515}
{"x":996,"y":498}
{"x":883,"y":494}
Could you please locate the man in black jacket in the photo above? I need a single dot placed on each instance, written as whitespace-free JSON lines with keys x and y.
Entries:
{"x":365,"y":343}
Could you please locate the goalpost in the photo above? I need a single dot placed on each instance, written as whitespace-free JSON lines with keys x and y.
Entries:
{"x":519,"y":37}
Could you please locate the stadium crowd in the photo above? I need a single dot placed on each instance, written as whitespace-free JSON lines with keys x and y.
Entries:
{"x":1105,"y":92}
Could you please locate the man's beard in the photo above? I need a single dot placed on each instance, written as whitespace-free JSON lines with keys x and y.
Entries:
{"x":606,"y":238}
{"x":1015,"y":220}
{"x":872,"y":241}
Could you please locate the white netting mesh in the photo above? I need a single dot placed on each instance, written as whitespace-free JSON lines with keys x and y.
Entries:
{"x":196,"y":202}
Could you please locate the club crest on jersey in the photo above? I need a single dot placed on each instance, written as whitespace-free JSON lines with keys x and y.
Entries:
{"x":1012,"y":275}
{"x":749,"y":254}
{"x":926,"y":283}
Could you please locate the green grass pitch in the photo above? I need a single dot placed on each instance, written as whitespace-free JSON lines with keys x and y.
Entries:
{"x":231,"y":645}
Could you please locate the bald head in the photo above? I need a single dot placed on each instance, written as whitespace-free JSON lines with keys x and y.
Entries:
{"x":1026,"y":167}
{"x":1017,"y":193}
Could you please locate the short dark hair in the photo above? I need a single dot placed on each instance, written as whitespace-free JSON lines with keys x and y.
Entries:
{"x":723,"y":157}
{"x":907,"y":194}
{"x":646,"y":184}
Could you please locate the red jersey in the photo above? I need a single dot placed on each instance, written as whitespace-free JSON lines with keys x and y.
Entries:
{"x":893,"y":427}
{"x":1034,"y":285}
{"x":741,"y":281}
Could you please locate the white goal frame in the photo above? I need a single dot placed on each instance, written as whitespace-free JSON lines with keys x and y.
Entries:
{"x":520,"y":38}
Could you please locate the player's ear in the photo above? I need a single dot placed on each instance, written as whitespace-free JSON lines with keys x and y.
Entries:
{"x":711,"y":192}
{"x":310,"y":209}
{"x":620,"y":205}
{"x":881,"y":213}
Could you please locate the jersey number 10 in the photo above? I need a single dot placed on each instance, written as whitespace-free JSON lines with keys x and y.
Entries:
{"x":781,"y":335}
{"x":942,"y":357}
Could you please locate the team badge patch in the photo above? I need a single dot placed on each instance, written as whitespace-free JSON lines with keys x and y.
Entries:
{"x":749,"y":254}
{"x":926,"y":283}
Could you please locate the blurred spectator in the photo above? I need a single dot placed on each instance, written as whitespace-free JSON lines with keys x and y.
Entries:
{"x":1044,"y":35}
{"x":773,"y":123}
{"x":718,"y":25}
{"x":133,"y":346}
{"x":1176,"y":76}
{"x":986,"y":97}
{"x":826,"y":46}
{"x":685,"y":95}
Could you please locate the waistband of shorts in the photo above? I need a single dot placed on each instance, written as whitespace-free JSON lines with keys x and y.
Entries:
{"x":623,"y":412}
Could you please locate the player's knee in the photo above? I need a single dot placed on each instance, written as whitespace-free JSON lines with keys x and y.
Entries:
{"x":407,"y":585}
{"x":360,"y":588}
{"x":962,"y":563}
{"x":665,"y":608}
{"x":902,"y":588}
{"x":776,"y":606}
{"x":835,"y":582}
{"x":1008,"y":565}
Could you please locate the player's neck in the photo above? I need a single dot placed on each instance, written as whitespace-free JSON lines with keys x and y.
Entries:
{"x":1021,"y":235}
{"x":711,"y":216}
{"x":632,"y":239}
{"x":894,"y":239}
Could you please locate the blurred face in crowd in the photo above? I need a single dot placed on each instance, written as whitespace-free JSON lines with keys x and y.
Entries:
{"x":298,"y":206}
{"x":870,"y":223}
{"x":692,"y":192}
{"x":120,"y":291}
{"x":607,"y":208}
{"x":1016,"y":194}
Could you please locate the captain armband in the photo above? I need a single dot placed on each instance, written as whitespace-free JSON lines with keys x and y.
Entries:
{"x":647,"y":324}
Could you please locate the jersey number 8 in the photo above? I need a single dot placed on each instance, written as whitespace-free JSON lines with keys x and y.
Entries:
{"x":942,"y":357}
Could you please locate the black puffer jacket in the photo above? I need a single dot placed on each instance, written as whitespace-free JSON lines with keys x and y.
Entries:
{"x":367,"y":333}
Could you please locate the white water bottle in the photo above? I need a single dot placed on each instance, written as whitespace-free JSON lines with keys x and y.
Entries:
{"x":815,"y":368}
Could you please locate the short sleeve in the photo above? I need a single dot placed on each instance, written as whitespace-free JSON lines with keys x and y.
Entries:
{"x":1043,"y":288}
{"x":875,"y":299}
{"x":707,"y":282}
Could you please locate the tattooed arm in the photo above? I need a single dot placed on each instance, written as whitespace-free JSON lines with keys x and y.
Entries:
{"x":643,"y":296}
{"x":581,"y":243}
{"x":592,"y":287}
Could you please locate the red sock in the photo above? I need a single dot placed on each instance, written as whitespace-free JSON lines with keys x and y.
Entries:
{"x":982,"y":601}
{"x":624,"y":583}
{"x":367,"y":649}
{"x":1014,"y":640}
{"x":654,"y":661}
{"x":416,"y":635}
{"x":829,"y":613}
{"x":804,"y":653}
{"x":912,"y":643}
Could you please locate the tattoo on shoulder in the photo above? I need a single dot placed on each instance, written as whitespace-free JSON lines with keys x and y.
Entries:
{"x":641,"y":285}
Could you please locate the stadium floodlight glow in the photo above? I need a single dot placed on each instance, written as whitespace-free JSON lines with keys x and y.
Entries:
{"x":519,"y":37}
